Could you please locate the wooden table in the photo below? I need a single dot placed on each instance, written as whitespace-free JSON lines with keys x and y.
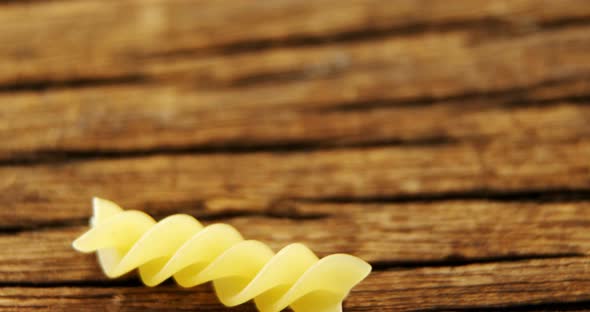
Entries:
{"x":445,"y":142}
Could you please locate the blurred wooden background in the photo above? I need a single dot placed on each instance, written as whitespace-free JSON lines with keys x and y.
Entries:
{"x":446,"y":142}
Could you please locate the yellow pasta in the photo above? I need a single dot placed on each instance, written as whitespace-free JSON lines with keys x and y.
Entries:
{"x":180,"y":247}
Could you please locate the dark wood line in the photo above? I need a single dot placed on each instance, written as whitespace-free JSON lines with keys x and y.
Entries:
{"x":231,"y":147}
{"x":480,"y":25}
{"x":78,"y":83}
{"x":554,"y":195}
{"x":578,"y":99}
{"x":457,"y":261}
{"x":506,"y":99}
{"x":41,"y":226}
{"x":544,"y":306}
{"x":131,"y":280}
{"x":20,"y":2}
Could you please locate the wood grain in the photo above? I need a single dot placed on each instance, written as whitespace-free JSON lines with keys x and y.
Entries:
{"x":445,"y":142}
{"x":349,"y":103}
{"x":385,"y":234}
{"x":62,"y":191}
{"x":426,"y":289}
{"x":97,"y":39}
{"x":110,"y":129}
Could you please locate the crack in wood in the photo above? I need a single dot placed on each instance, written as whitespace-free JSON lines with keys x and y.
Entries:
{"x":458,"y":260}
{"x":26,"y":2}
{"x":583,"y":305}
{"x":78,"y":83}
{"x":127,"y":281}
{"x":530,"y":195}
{"x":41,"y":226}
{"x":239,"y":147}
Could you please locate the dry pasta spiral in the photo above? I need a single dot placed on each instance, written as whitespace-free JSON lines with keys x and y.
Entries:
{"x":180,"y":247}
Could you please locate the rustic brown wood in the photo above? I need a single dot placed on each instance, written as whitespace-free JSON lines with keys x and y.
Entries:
{"x":384,"y":74}
{"x":445,"y":142}
{"x":398,"y":234}
{"x":109,"y":127}
{"x":473,"y":286}
{"x":65,"y":40}
{"x":58,"y":192}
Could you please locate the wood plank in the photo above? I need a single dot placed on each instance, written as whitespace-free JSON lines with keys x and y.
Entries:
{"x":429,"y":64}
{"x":474,"y":286}
{"x":114,"y":128}
{"x":445,"y":142}
{"x":57,"y":192}
{"x":398,"y":76}
{"x":390,"y":234}
{"x":113,"y":299}
{"x":71,"y":40}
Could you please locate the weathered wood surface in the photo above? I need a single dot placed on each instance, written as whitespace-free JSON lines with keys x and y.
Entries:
{"x":261,"y":181}
{"x":221,"y":99}
{"x":424,"y":289}
{"x":61,"y":40}
{"x":445,"y":142}
{"x":336,"y":94}
{"x":393,"y":235}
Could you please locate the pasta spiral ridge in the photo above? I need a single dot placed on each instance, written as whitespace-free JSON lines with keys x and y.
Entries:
{"x":180,"y":247}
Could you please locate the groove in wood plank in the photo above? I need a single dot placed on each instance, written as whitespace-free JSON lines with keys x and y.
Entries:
{"x":582,"y":305}
{"x":43,"y":85}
